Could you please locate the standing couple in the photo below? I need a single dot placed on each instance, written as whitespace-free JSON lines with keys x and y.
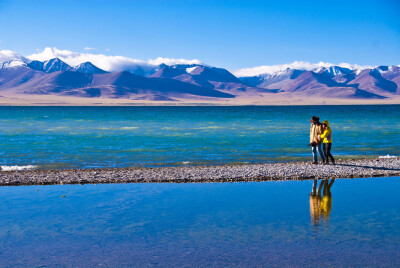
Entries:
{"x":321,"y":133}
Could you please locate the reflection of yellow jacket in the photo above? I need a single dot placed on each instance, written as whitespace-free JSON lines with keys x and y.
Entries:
{"x":327,"y":135}
{"x":326,"y":206}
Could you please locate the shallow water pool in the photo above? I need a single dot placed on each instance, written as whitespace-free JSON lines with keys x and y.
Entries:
{"x":354,"y":223}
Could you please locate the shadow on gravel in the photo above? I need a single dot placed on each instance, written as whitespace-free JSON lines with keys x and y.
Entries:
{"x":372,"y":167}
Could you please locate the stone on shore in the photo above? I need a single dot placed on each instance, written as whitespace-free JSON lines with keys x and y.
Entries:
{"x":228,"y":173}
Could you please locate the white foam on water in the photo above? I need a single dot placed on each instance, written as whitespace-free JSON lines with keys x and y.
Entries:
{"x":129,"y":128}
{"x":210,"y":127}
{"x":387,"y":156}
{"x":185,"y":162}
{"x":170,"y":128}
{"x":17,"y":168}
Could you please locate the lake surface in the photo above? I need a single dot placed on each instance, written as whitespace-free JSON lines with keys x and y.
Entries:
{"x":86,"y":137}
{"x":211,"y":224}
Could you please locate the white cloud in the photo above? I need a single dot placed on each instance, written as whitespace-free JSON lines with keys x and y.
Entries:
{"x":105,"y":62}
{"x":14,"y":63}
{"x":300,"y":65}
{"x":89,"y":48}
{"x":169,"y":61}
{"x":8,"y":55}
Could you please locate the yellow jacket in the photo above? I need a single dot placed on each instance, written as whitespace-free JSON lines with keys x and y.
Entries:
{"x":327,"y":135}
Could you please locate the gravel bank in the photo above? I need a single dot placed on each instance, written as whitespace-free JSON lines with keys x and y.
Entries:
{"x":261,"y":172}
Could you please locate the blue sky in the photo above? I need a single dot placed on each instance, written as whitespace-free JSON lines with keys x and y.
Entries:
{"x":230,"y":34}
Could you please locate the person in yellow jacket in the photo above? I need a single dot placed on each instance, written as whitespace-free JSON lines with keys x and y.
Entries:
{"x":327,"y":141}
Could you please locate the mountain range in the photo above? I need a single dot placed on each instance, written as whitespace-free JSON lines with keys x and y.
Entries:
{"x":195,"y":81}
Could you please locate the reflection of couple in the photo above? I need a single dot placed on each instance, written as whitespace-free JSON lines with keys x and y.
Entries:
{"x":320,"y":207}
{"x":321,"y":133}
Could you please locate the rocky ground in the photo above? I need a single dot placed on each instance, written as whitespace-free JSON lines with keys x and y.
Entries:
{"x":260,"y":172}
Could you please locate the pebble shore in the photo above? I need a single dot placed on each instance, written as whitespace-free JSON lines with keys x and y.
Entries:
{"x":235,"y":173}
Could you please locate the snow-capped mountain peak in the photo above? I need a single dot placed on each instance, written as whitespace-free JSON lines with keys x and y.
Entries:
{"x":284,"y":72}
{"x":8,"y":57}
{"x":55,"y":65}
{"x":88,"y":67}
{"x":191,"y":69}
{"x":336,"y":70}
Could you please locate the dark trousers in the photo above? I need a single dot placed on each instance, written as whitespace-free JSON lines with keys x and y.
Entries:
{"x":327,"y":152}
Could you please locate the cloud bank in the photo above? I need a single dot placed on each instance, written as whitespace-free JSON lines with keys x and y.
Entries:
{"x":121,"y":63}
{"x":105,"y":62}
{"x":8,"y":55}
{"x":299,"y":65}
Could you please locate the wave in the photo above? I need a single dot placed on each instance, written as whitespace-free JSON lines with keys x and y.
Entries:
{"x":17,"y":168}
{"x":211,"y":127}
{"x":128,"y":128}
{"x":170,"y":128}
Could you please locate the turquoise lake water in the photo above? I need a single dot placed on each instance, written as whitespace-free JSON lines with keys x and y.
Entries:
{"x":354,"y":223}
{"x":278,"y":224}
{"x":87,"y":137}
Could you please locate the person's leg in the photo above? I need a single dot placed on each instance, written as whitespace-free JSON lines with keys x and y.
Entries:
{"x":326,"y":189}
{"x":314,"y":153}
{"x":320,"y":152}
{"x":329,"y":187}
{"x":329,"y":146}
{"x":325,"y":153}
{"x":320,"y":187}
{"x":314,"y":187}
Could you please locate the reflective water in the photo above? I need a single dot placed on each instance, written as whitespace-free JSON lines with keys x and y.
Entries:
{"x":347,"y":223}
{"x":84,"y":137}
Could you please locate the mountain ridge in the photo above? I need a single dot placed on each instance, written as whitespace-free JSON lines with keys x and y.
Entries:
{"x":195,"y":80}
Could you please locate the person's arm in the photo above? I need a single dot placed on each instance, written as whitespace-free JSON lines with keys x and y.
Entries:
{"x":326,"y":133}
{"x":311,"y":134}
{"x":320,"y":130}
{"x":323,"y":135}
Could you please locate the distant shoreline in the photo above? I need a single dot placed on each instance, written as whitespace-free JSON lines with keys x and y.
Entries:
{"x":187,"y":105}
{"x":360,"y":168}
{"x":262,"y":99}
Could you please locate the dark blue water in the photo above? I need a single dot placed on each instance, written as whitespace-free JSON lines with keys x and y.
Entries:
{"x":84,"y":137}
{"x":252,"y":224}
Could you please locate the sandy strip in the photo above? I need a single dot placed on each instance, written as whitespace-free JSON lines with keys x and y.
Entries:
{"x":261,"y":172}
{"x":275,"y":99}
